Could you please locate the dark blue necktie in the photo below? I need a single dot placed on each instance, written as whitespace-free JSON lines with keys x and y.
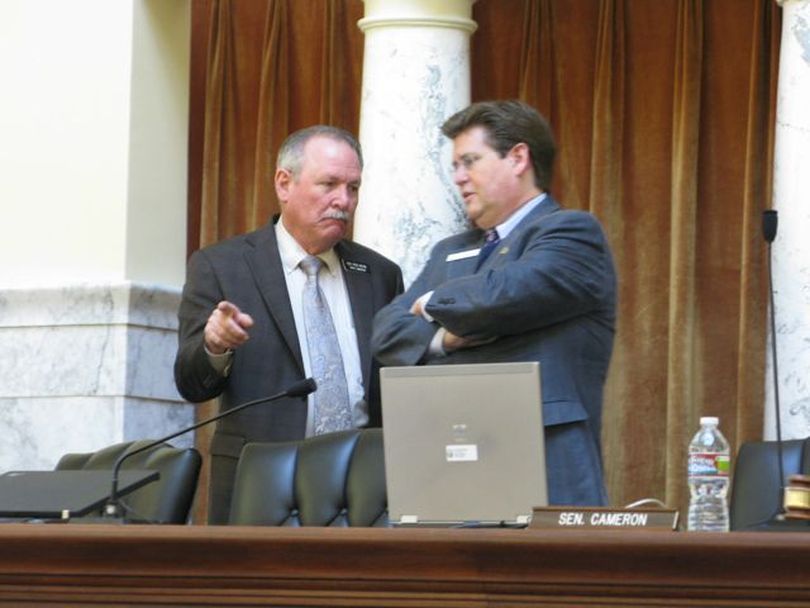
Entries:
{"x":491,"y":240}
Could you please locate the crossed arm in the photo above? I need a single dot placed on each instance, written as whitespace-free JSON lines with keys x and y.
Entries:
{"x":556,"y":270}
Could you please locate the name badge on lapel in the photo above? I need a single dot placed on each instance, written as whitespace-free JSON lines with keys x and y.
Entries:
{"x":462,"y":255}
{"x":348,"y":265}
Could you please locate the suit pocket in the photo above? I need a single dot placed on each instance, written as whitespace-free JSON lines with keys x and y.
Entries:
{"x":224,"y":444}
{"x":563,"y":411}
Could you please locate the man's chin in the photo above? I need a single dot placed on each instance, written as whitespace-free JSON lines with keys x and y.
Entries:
{"x":474,"y":221}
{"x":336,"y":232}
{"x":473,"y":214}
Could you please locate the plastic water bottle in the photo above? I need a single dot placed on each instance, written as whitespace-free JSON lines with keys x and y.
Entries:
{"x":708,"y":478}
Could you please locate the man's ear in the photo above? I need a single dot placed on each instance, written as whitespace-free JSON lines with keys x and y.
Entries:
{"x":520,"y":157}
{"x":283,"y":179}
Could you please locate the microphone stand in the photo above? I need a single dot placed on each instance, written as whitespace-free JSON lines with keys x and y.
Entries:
{"x":769,"y":225}
{"x":114,"y":509}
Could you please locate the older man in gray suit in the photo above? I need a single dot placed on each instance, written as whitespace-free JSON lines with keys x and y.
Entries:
{"x":263,"y":310}
{"x":531,"y":282}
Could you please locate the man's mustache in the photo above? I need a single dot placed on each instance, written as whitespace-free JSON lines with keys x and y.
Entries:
{"x":343,"y":216}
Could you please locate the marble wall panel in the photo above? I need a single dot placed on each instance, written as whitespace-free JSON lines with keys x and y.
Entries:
{"x":85,"y":366}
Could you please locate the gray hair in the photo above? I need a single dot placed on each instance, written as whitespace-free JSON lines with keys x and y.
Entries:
{"x":291,"y":153}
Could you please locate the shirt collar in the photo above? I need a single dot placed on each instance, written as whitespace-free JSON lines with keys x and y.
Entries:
{"x":505,"y":227}
{"x":292,"y":253}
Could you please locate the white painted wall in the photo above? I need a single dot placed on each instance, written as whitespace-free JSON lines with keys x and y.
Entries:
{"x":93,"y":139}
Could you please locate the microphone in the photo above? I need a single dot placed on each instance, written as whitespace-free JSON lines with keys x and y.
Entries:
{"x":770,"y":221}
{"x":113,"y":508}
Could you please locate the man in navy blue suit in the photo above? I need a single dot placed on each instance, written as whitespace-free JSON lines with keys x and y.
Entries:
{"x":529,"y":282}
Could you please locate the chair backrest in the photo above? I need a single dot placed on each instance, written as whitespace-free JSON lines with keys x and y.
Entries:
{"x":167,"y":500}
{"x":756,"y":495}
{"x":337,"y":479}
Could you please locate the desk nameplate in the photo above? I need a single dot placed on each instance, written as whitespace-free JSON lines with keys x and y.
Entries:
{"x":602,"y":518}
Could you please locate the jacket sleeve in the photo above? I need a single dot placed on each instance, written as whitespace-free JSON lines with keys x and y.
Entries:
{"x":563,"y":269}
{"x":194,"y":376}
{"x":399,"y":337}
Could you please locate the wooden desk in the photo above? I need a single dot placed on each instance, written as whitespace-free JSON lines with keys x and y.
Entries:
{"x":75,"y":564}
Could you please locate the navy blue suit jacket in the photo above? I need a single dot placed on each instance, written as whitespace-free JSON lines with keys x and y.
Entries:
{"x":547,"y":293}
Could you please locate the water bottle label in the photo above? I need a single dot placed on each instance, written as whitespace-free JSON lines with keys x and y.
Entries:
{"x":702,"y":464}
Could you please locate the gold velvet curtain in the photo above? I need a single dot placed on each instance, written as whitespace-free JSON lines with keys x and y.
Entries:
{"x":664,"y":116}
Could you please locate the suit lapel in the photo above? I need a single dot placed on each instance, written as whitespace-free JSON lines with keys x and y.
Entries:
{"x":357,"y":274}
{"x":506,"y":248}
{"x":459,"y":262}
{"x":264,"y":261}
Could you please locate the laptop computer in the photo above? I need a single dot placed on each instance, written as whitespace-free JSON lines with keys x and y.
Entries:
{"x":63,"y":494}
{"x":464,"y":444}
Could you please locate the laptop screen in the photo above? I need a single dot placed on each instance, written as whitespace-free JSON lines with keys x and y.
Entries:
{"x":463,"y":443}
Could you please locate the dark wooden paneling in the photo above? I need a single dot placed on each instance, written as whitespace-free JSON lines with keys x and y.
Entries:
{"x":235,"y":566}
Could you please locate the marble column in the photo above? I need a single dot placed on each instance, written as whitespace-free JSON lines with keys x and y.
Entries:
{"x":791,"y":249}
{"x":94,"y":123}
{"x":416,"y":73}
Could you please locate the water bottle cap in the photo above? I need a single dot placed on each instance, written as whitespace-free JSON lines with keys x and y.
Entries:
{"x":709,"y":420}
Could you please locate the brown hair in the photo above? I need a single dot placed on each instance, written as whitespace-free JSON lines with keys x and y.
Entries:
{"x":509,"y":123}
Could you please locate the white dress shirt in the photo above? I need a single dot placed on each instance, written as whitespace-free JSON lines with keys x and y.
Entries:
{"x":334,"y":290}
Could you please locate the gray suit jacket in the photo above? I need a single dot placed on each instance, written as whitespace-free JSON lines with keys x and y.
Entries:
{"x":547,"y":293}
{"x":247,"y":271}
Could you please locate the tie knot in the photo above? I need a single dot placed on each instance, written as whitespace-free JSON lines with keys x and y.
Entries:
{"x":311,"y":265}
{"x":491,"y":235}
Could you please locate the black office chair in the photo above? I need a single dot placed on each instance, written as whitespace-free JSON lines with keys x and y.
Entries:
{"x":756,"y":490}
{"x":167,"y":500}
{"x":336,"y":479}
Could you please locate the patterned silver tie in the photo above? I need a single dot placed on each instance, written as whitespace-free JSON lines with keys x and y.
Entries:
{"x":331,"y":400}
